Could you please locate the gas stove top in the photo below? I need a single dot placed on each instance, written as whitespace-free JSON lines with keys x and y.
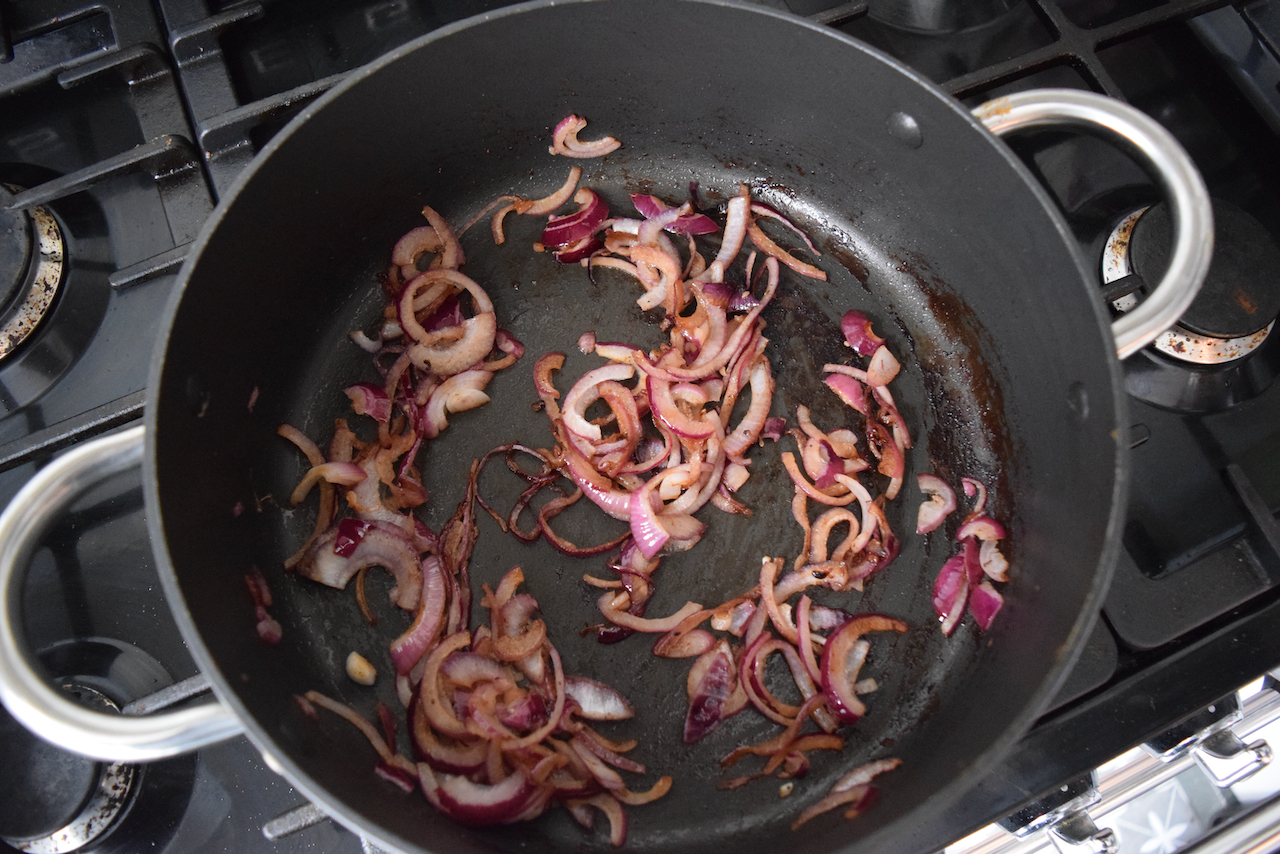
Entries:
{"x":121,"y":123}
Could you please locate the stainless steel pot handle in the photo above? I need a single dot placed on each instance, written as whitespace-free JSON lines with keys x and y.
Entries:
{"x":36,"y":705}
{"x":1176,"y":174}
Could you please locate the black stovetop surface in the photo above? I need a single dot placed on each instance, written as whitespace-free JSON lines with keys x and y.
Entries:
{"x":127,"y":119}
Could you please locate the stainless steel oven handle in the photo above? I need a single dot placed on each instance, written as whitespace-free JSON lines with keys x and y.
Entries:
{"x":1173,"y":170}
{"x":38,"y":706}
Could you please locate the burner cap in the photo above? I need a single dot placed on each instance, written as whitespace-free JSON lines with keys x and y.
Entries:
{"x":15,"y":248}
{"x":56,"y":801}
{"x":45,"y":787}
{"x":1240,"y":294}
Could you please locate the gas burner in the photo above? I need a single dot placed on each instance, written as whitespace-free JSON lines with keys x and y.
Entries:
{"x":938,"y":16}
{"x":61,"y":802}
{"x":56,"y":802}
{"x":1221,"y":352}
{"x":31,"y":256}
{"x":1237,"y":307}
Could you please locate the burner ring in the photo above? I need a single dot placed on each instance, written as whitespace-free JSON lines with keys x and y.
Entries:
{"x":1177,"y":342}
{"x":109,"y":798}
{"x":44,"y":279}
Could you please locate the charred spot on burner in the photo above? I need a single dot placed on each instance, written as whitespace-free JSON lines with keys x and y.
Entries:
{"x":31,"y":265}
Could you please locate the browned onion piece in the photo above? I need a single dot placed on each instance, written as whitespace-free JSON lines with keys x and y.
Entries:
{"x":382,"y":546}
{"x":565,"y":140}
{"x":766,"y":245}
{"x":547,"y":204}
{"x":838,"y":670}
{"x":852,"y":788}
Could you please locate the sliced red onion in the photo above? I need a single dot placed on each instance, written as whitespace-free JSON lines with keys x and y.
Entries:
{"x":854,"y":789}
{"x":475,"y":804}
{"x":401,"y":778}
{"x":527,"y":712}
{"x":586,"y":392}
{"x":685,"y":640}
{"x":890,"y":453}
{"x":441,"y":752}
{"x":596,"y":486}
{"x":587,"y":342}
{"x":651,"y":229}
{"x":451,"y":256}
{"x":709,"y":698}
{"x":994,"y":564}
{"x":774,"y":428}
{"x":824,"y":619}
{"x":882,"y":368}
{"x":664,"y":408}
{"x":446,"y":359}
{"x":975,"y":488}
{"x":889,"y":414}
{"x":469,"y":669}
{"x":858,"y":333}
{"x":766,"y":245}
{"x":604,"y":749}
{"x":951,"y":593}
{"x":643,"y":624}
{"x":613,"y":811}
{"x":414,"y":244}
{"x":838,"y":677}
{"x":821,"y":462}
{"x":571,"y":228}
{"x":689,"y":222}
{"x":648,"y":206}
{"x":753,"y":423}
{"x":341,"y":474}
{"x":507,"y":343}
{"x":614,"y":351}
{"x":798,"y":478}
{"x":565,"y":140}
{"x":735,"y":231}
{"x":984,"y":604}
{"x":596,"y":766}
{"x":762,"y":210}
{"x":983,"y":528}
{"x":652,"y":530}
{"x":735,"y":475}
{"x":364,"y":342}
{"x":740,"y":302}
{"x":708,"y":365}
{"x":751,"y":677}
{"x":369,"y":399}
{"x":940,"y":503}
{"x":849,"y":390}
{"x":577,"y":251}
{"x":409,"y":648}
{"x":649,"y":535}
{"x":350,"y":533}
{"x":596,"y":700}
{"x":547,"y":204}
{"x":458,"y":393}
{"x":382,"y":546}
{"x":542,"y":370}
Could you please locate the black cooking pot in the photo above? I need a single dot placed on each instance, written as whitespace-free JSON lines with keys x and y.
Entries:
{"x":926,"y":222}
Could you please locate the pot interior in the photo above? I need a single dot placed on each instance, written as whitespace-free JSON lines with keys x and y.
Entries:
{"x":939,"y":236}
